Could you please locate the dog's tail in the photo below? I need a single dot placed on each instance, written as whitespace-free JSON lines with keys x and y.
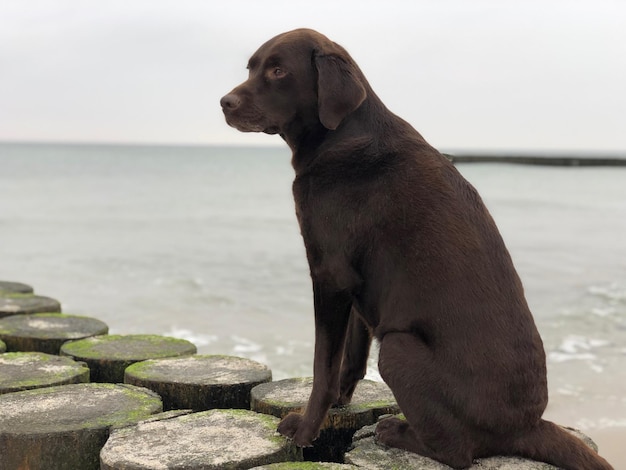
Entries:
{"x":552,"y":444}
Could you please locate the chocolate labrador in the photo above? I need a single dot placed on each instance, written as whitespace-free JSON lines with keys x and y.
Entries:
{"x":401,"y":248}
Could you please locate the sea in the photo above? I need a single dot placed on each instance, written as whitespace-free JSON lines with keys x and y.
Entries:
{"x":202,"y":243}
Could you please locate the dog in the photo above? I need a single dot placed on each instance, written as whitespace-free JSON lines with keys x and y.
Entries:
{"x":400,"y":248}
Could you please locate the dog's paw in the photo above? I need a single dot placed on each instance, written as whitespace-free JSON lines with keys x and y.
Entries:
{"x":297,"y":429}
{"x":342,"y":401}
{"x":344,"y":398}
{"x":390,"y":431}
{"x":345,"y":394}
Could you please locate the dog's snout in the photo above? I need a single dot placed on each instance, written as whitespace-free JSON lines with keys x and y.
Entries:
{"x":230,"y":101}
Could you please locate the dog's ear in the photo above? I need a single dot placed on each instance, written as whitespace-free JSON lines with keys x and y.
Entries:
{"x":339,"y":90}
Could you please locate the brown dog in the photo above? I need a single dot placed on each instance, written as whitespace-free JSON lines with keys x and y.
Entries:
{"x":401,"y":247}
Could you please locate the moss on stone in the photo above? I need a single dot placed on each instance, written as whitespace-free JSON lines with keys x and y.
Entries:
{"x":109,"y":355}
{"x":65,"y":427}
{"x":128,"y":347}
{"x":7,"y":287}
{"x":306,"y":466}
{"x":29,"y":370}
{"x":147,"y":403}
{"x":19,"y":303}
{"x":200,"y":370}
{"x":370,"y":400}
{"x":269,"y":422}
{"x":208,"y":439}
{"x":47,"y":332}
{"x":16,"y":295}
{"x":19,"y":324}
{"x":72,"y":407}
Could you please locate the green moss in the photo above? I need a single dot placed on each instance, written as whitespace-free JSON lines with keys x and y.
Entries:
{"x":15,"y":287}
{"x":306,"y":466}
{"x":283,"y":404}
{"x":7,"y":331}
{"x":151,"y":371}
{"x":269,"y":422}
{"x":19,"y":326}
{"x":141,"y":370}
{"x":73,"y":372}
{"x":372,"y":405}
{"x":220,"y":356}
{"x":15,"y":295}
{"x":147,"y":404}
{"x":59,"y":315}
{"x":128,"y":347}
{"x":28,"y":303}
{"x":82,"y":347}
{"x":50,"y":381}
{"x":75,"y":408}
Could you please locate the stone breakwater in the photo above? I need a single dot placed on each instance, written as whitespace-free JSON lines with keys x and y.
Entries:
{"x":74,"y":397}
{"x":537,"y":159}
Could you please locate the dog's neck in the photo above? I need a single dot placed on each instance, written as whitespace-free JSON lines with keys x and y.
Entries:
{"x":308,"y":139}
{"x":304,"y":140}
{"x":304,"y":134}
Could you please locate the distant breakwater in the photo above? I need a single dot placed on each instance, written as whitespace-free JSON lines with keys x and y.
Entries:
{"x":539,"y":159}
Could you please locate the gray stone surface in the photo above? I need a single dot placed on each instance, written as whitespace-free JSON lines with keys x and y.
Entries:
{"x":370,"y":400}
{"x":46,"y":332}
{"x":200,"y":382}
{"x":368,"y":454}
{"x":64,"y":427}
{"x":15,"y":304}
{"x":214,"y":439}
{"x":307,"y":466}
{"x":109,"y":355}
{"x":27,"y":370}
{"x":8,"y":287}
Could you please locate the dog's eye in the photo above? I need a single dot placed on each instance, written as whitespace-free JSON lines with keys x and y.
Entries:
{"x":277,"y":72}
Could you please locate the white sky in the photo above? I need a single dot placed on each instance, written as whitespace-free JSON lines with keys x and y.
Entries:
{"x":479,"y":74}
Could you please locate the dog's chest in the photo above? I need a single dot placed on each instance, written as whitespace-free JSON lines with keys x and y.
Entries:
{"x":327,"y":215}
{"x":321,"y":209}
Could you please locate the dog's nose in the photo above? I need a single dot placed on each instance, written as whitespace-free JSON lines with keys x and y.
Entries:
{"x":230,"y":101}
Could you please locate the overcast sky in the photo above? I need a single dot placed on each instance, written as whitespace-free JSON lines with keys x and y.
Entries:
{"x":479,"y":74}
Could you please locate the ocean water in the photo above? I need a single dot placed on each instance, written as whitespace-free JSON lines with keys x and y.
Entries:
{"x":202,"y":243}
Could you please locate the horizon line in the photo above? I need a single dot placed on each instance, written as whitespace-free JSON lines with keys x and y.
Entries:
{"x":467,"y":152}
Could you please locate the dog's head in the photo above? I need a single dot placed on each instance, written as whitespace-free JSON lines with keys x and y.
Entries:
{"x":297,"y":78}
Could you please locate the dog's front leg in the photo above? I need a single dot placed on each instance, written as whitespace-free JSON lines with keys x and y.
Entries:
{"x":332,"y":311}
{"x":355,"y":354}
